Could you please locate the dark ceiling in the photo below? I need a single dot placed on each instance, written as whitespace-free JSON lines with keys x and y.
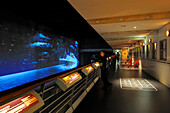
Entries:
{"x":56,"y":14}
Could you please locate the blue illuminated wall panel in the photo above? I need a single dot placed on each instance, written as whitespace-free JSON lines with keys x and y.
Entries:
{"x":27,"y":55}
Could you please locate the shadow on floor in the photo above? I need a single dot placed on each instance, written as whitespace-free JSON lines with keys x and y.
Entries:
{"x":117,"y":100}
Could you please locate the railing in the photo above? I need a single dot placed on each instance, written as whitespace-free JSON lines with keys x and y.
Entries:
{"x":54,"y":98}
{"x":26,"y":87}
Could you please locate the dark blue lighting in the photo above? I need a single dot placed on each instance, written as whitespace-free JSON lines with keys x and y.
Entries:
{"x":34,"y":57}
{"x":41,"y":35}
{"x":44,"y":53}
{"x":72,"y":46}
{"x":76,"y":43}
{"x":40,"y":44}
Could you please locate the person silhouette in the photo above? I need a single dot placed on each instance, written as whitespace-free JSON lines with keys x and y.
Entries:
{"x":103,"y":60}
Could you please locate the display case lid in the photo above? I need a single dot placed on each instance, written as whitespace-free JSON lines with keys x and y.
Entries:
{"x":71,"y":78}
{"x":96,"y":65}
{"x":67,"y":81}
{"x":87,"y":70}
{"x":27,"y":102}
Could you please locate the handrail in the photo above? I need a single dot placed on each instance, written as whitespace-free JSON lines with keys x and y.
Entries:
{"x":26,"y":87}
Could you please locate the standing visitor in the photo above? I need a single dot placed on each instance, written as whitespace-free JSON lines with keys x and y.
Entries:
{"x":118,"y":56}
{"x":103,"y":60}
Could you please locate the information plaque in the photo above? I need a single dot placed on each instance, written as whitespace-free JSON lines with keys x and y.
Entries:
{"x":24,"y":103}
{"x":96,"y":65}
{"x":87,"y":70}
{"x":67,"y":81}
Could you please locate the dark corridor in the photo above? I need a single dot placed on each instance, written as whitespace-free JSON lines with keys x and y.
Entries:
{"x":119,"y":100}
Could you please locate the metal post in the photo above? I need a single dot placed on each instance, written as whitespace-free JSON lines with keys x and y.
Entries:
{"x":42,"y":88}
{"x":133,"y":58}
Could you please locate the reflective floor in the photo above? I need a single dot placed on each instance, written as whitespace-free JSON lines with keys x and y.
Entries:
{"x":136,"y":84}
{"x":118,"y":100}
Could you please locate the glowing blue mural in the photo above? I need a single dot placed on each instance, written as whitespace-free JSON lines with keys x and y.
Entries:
{"x":30,"y":57}
{"x":72,"y":62}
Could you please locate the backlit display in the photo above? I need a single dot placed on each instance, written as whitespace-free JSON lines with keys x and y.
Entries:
{"x":26,"y":56}
{"x":20,"y":105}
{"x":71,"y":78}
{"x":96,"y":65}
{"x":89,"y":69}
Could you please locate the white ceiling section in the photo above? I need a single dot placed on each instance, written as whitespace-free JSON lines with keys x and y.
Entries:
{"x":140,"y":25}
{"x":111,"y":17}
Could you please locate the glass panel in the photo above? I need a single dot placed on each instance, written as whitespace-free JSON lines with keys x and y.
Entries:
{"x":163,"y":49}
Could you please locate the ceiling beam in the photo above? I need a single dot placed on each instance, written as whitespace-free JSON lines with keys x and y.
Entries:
{"x":127,"y":43}
{"x":117,"y":44}
{"x":138,"y":32}
{"x":130,"y":18}
{"x":120,"y":46}
{"x":117,"y":47}
{"x":124,"y":38}
{"x":123,"y":41}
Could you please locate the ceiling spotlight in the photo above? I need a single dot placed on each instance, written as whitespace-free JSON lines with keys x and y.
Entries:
{"x":121,"y":19}
{"x":97,"y":21}
{"x":135,"y":27}
{"x":148,"y":17}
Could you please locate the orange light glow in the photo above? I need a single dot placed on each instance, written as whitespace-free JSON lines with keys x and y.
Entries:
{"x":148,"y":47}
{"x":71,"y":78}
{"x":20,"y":105}
{"x":141,"y":44}
{"x":150,"y":40}
{"x":97,"y":64}
{"x":155,"y":46}
{"x":89,"y":69}
{"x":167,"y":33}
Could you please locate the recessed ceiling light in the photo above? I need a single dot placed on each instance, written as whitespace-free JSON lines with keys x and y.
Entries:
{"x":148,"y":17}
{"x":121,"y":19}
{"x":97,"y":21}
{"x":135,"y":27}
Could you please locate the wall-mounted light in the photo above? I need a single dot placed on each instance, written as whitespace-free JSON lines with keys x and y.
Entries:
{"x":150,"y":40}
{"x":141,"y":44}
{"x":167,"y":33}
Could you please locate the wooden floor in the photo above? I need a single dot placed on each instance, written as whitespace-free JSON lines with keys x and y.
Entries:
{"x":119,"y":100}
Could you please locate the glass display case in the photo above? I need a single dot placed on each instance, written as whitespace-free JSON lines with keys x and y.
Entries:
{"x":27,"y":103}
{"x":96,"y":65}
{"x":67,"y":81}
{"x":87,"y":70}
